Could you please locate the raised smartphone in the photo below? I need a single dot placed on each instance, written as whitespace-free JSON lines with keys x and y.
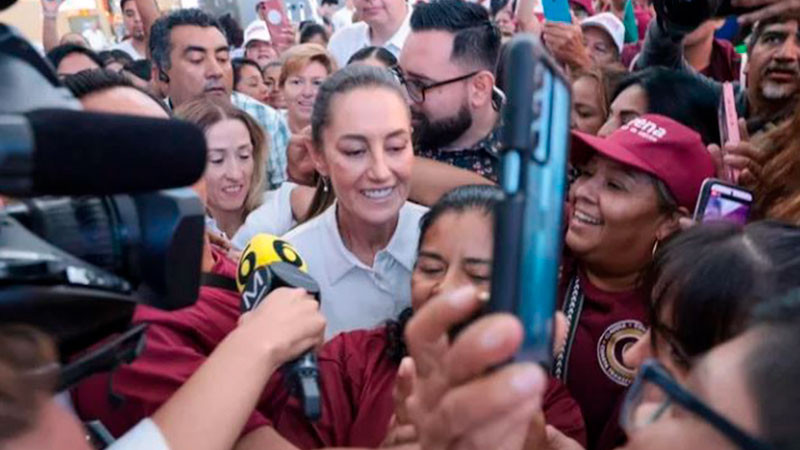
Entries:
{"x":721,"y":201}
{"x":557,"y":11}
{"x":728,"y":125}
{"x":529,"y":230}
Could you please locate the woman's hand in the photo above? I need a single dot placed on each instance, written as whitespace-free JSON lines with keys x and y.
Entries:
{"x":565,"y":41}
{"x":221,"y":241}
{"x":284,"y":325}
{"x":401,"y":428}
{"x":300,"y":166}
{"x":458,"y":402}
{"x":547,"y":437}
{"x":737,"y":163}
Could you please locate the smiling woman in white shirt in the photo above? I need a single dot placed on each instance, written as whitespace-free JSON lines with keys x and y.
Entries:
{"x":362,"y":249}
{"x":237,"y":150}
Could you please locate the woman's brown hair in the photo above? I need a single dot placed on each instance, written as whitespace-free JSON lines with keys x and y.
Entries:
{"x":607,"y":78}
{"x":777,"y":191}
{"x":206,"y":112}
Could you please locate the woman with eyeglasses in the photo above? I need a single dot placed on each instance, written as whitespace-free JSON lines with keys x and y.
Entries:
{"x":705,"y":283}
{"x":742,"y":394}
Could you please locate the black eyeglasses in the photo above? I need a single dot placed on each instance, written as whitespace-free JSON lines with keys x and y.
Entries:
{"x":655,"y":392}
{"x":416,"y":89}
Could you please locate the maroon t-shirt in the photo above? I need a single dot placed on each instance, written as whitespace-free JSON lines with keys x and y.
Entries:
{"x":724,"y":64}
{"x":596,"y":375}
{"x":356,"y":378}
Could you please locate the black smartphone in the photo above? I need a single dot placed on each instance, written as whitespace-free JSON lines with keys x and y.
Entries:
{"x":529,"y":229}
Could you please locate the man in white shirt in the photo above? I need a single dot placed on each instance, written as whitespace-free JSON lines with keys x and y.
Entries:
{"x":344,"y":16}
{"x":135,"y":45}
{"x":385,"y":23}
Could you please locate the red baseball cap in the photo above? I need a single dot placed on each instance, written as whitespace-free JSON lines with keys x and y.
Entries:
{"x":658,"y":145}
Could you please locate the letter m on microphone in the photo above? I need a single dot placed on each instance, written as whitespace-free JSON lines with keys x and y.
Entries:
{"x":258,"y":285}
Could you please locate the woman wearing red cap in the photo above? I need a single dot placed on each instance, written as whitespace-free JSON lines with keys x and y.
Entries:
{"x":632,"y":189}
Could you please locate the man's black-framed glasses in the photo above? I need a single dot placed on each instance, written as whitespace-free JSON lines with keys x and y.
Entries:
{"x":655,"y":393}
{"x":416,"y":89}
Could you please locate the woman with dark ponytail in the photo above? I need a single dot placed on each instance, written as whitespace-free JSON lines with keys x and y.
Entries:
{"x":360,"y":369}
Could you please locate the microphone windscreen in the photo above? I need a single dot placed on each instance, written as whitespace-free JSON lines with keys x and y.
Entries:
{"x":263,"y":250}
{"x":84,"y":153}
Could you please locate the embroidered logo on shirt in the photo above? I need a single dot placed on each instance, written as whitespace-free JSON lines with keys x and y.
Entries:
{"x":612,"y":344}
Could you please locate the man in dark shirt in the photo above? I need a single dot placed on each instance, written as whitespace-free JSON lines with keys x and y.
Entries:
{"x":773,"y":67}
{"x":712,"y":57}
{"x":447,"y":66}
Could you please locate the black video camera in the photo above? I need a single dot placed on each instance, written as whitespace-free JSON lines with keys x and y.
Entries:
{"x":90,"y":233}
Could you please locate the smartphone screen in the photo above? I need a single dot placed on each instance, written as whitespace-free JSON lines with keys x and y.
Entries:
{"x":557,"y":11}
{"x":722,"y":202}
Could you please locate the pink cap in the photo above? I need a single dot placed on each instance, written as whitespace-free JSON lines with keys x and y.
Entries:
{"x":658,"y":145}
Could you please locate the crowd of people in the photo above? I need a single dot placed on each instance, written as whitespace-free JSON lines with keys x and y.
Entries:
{"x":370,"y":139}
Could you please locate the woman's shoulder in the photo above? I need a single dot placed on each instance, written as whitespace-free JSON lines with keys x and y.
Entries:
{"x":410,"y":215}
{"x":413,"y":209}
{"x":307,"y":229}
{"x":274,"y":216}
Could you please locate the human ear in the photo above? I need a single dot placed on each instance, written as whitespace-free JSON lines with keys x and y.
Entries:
{"x":480,"y":89}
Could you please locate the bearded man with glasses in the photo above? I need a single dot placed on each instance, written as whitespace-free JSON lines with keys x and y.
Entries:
{"x":447,"y":66}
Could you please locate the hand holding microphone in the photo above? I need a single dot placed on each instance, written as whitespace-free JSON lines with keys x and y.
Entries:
{"x":286,"y":325}
{"x":269,"y":263}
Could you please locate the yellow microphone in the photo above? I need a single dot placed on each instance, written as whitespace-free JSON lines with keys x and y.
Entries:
{"x":268,"y":263}
{"x":263,"y":250}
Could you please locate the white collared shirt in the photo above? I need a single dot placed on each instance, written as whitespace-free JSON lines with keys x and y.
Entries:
{"x":353,"y":295}
{"x":352,"y":38}
{"x":342,"y":18}
{"x":127,"y":47}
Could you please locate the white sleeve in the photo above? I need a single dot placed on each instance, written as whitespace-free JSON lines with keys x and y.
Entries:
{"x":274,"y":216}
{"x":339,"y":44}
{"x":145,"y":434}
